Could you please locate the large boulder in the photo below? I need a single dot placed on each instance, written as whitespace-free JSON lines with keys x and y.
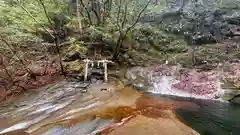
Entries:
{"x":231,"y":77}
{"x":222,"y":83}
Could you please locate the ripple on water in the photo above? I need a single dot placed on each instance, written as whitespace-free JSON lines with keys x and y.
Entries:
{"x":46,"y":108}
{"x":86,"y":128}
{"x":24,"y":124}
{"x":83,"y":108}
{"x":49,"y":108}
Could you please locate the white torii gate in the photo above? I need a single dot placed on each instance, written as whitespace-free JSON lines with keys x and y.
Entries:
{"x":104,"y":62}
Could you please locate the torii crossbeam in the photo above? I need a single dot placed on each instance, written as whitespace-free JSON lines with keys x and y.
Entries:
{"x":104,"y":62}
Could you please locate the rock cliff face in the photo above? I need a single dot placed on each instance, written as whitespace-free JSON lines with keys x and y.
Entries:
{"x":222,"y":83}
{"x":199,"y":21}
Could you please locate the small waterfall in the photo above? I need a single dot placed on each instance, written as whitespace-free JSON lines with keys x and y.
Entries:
{"x":175,"y":81}
{"x":164,"y":85}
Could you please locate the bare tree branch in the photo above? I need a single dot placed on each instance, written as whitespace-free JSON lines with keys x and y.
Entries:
{"x":118,"y":14}
{"x":87,"y":12}
{"x":96,"y":6}
{"x":107,"y":5}
{"x":56,"y":38}
{"x":18,"y":57}
{"x":39,"y":24}
{"x":35,"y":19}
{"x":5,"y":68}
{"x":45,"y":11}
{"x":125,"y":13}
{"x":78,"y":14}
{"x":138,"y":16}
{"x":123,"y":36}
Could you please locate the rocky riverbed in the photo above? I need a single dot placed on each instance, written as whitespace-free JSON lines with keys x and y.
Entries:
{"x":82,"y":108}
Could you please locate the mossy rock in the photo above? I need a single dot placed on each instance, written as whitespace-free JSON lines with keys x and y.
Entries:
{"x":74,"y":66}
{"x":78,"y":47}
{"x":76,"y":52}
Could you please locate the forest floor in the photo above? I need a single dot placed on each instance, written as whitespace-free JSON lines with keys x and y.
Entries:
{"x":15,"y":78}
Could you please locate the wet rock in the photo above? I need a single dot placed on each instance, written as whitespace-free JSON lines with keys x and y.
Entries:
{"x":139,"y":78}
{"x":96,"y":74}
{"x":36,"y":69}
{"x":141,"y":125}
{"x":177,"y":81}
{"x":236,"y":99}
{"x":17,"y":132}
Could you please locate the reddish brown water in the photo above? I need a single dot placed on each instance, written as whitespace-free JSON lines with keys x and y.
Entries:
{"x":68,"y":108}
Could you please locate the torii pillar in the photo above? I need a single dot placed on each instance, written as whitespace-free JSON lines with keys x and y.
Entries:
{"x":86,"y":63}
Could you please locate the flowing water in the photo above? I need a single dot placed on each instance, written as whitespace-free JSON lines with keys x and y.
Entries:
{"x":214,"y":116}
{"x":61,"y":101}
{"x":56,"y":110}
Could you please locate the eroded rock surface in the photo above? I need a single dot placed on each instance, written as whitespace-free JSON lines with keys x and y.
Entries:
{"x":73,"y":108}
{"x":220,"y":83}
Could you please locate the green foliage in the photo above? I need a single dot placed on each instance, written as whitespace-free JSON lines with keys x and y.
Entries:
{"x":16,"y":23}
{"x":78,"y":47}
{"x":153,"y":37}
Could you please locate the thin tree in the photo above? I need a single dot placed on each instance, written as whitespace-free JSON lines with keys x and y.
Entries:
{"x":5,"y":68}
{"x":55,"y":37}
{"x":96,"y":10}
{"x":34,"y":18}
{"x":123,"y":34}
{"x":87,"y":12}
{"x":107,"y":7}
{"x":42,"y":27}
{"x":12,"y":49}
{"x":78,"y":14}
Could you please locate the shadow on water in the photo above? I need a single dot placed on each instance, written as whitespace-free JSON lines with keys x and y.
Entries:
{"x":212,"y":117}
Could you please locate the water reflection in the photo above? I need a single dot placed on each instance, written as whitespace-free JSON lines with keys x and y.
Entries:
{"x":213,"y":118}
{"x":210,"y":118}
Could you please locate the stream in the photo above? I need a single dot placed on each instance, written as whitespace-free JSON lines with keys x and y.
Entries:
{"x":74,"y":108}
{"x":164,"y":100}
{"x":212,"y":117}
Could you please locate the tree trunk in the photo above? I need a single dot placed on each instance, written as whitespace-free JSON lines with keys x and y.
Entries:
{"x":56,"y":37}
{"x":5,"y":68}
{"x":87,"y":12}
{"x":19,"y":58}
{"x":96,"y":10}
{"x":193,"y":55}
{"x":78,"y":14}
{"x":118,"y":46}
{"x":123,"y":35}
{"x":57,"y":43}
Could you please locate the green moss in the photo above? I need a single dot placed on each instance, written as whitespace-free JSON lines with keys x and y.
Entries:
{"x":78,"y":47}
{"x":17,"y":24}
{"x":74,"y":66}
